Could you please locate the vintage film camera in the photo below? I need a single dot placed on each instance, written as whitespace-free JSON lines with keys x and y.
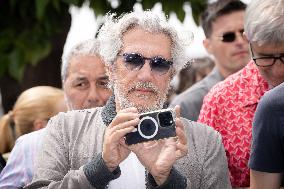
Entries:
{"x":153,"y":126}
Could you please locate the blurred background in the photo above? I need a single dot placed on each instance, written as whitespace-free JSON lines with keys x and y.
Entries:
{"x":35,"y":33}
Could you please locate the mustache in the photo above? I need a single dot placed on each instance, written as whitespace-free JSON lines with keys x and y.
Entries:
{"x":145,"y":85}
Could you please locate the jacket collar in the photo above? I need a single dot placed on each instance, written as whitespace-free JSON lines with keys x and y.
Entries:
{"x":109,"y":111}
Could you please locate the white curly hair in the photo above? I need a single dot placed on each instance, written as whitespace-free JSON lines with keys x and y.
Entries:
{"x":111,"y":33}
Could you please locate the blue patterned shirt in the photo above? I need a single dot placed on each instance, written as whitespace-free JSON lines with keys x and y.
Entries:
{"x":18,"y":171}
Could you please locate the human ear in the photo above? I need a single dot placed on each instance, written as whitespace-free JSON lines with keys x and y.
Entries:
{"x":39,"y":124}
{"x":207,"y":45}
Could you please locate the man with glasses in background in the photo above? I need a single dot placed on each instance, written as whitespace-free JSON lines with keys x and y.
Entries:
{"x":89,"y":149}
{"x":264,"y":27}
{"x":223,"y":25}
{"x":230,"y":106}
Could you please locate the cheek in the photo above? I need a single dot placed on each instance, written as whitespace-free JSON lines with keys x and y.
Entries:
{"x":279,"y":73}
{"x":76,"y":96}
{"x":163,"y":84}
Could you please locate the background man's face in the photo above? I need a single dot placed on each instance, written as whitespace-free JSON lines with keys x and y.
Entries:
{"x":142,"y":88}
{"x":86,"y":83}
{"x":230,"y":56}
{"x":274,"y":75}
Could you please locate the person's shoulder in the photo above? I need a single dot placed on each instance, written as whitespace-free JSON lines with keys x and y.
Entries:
{"x":30,"y":137}
{"x":273,"y":99}
{"x":200,"y":131}
{"x":75,"y":115}
{"x":72,"y":119}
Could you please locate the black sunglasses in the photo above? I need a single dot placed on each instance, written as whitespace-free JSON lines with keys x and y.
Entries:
{"x":135,"y":61}
{"x":229,"y":37}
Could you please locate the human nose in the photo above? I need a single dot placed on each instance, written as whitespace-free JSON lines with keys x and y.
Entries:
{"x":145,"y":73}
{"x":94,"y":96}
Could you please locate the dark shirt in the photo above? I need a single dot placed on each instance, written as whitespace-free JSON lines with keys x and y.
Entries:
{"x":267,"y":151}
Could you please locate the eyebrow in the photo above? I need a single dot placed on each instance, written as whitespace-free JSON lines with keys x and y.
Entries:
{"x":79,"y":78}
{"x":104,"y":77}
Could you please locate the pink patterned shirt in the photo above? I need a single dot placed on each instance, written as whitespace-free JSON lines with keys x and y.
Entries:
{"x":229,"y":108}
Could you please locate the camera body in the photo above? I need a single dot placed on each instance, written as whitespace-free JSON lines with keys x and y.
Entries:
{"x":153,"y":126}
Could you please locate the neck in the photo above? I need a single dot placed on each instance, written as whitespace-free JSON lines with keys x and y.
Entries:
{"x":224,"y":72}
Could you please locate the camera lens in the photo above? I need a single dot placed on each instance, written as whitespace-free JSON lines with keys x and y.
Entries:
{"x":148,"y":127}
{"x":166,"y":119}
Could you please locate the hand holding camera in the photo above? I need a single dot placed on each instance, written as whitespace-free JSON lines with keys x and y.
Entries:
{"x":114,"y":148}
{"x":158,"y":156}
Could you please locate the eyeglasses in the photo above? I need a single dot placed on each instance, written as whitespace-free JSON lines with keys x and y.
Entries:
{"x":229,"y":37}
{"x":266,"y":61}
{"x":135,"y":61}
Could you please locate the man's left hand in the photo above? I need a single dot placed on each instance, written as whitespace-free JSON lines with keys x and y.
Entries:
{"x":159,"y":156}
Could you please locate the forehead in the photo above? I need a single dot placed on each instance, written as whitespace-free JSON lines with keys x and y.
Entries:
{"x":268,"y":48}
{"x":229,"y":22}
{"x":148,"y":43}
{"x":90,"y":66}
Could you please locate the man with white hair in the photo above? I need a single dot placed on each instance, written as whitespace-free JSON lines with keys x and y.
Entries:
{"x":87,"y":149}
{"x":85,"y":85}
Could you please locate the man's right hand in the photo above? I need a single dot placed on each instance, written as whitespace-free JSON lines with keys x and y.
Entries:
{"x":114,"y":148}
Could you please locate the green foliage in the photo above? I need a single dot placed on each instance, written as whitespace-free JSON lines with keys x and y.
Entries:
{"x":27,"y":26}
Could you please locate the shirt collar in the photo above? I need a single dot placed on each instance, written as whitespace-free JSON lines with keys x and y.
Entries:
{"x":252,"y":85}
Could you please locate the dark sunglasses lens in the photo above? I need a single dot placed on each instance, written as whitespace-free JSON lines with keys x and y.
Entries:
{"x":160,"y":65}
{"x":133,"y":61}
{"x":229,"y":37}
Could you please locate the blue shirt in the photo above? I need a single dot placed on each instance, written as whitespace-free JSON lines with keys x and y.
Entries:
{"x":267,"y":151}
{"x":18,"y":171}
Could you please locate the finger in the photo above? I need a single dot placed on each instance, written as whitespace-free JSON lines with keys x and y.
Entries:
{"x":181,"y":151}
{"x":122,"y":117}
{"x":119,"y":134}
{"x":123,"y":143}
{"x":131,"y":109}
{"x":180,"y":132}
{"x":177,"y":111}
{"x":125,"y":124}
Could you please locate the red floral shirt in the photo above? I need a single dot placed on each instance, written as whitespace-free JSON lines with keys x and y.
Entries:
{"x":229,"y":108}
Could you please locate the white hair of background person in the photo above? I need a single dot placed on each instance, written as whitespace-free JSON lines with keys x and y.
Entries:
{"x":88,"y":47}
{"x":267,"y":28}
{"x":112,"y":32}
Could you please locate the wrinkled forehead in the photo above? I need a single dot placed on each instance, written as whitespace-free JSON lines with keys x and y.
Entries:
{"x":86,"y":65}
{"x":141,"y":40}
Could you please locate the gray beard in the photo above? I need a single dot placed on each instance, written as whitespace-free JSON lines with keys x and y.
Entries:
{"x":124,"y":102}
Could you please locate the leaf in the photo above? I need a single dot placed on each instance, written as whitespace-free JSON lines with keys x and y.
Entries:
{"x":4,"y":62}
{"x":36,"y":54}
{"x":77,"y":3}
{"x":40,"y":8}
{"x":148,"y":4}
{"x":16,"y":68}
{"x":198,"y":6}
{"x":56,"y":5}
{"x":100,"y":7}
